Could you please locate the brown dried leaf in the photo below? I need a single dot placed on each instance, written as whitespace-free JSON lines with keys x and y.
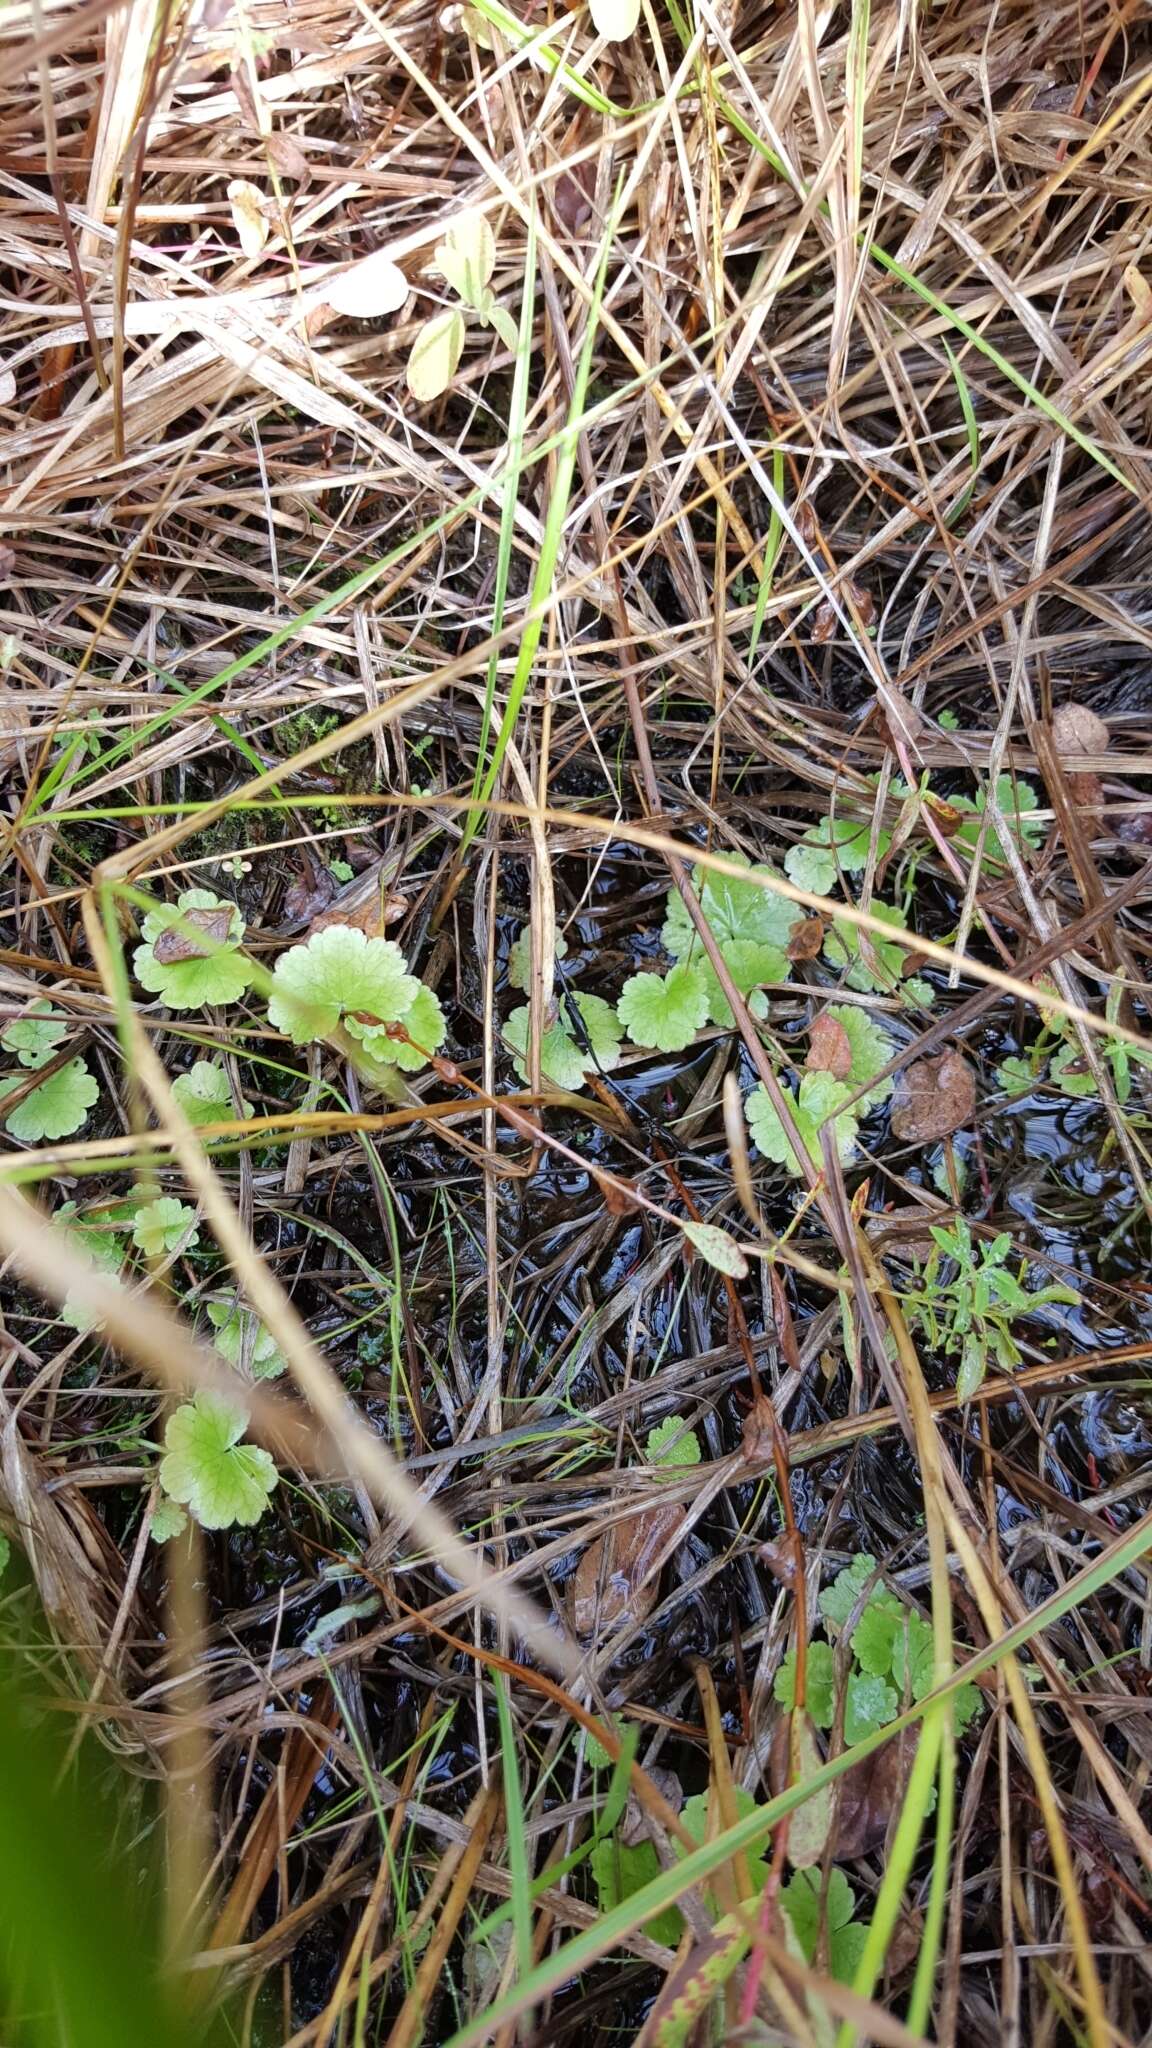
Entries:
{"x":310,"y":890}
{"x":870,"y":1793}
{"x":285,"y":152}
{"x":572,"y":196}
{"x":861,"y":597}
{"x":1077,"y":730}
{"x":933,"y":1099}
{"x":634,"y":1823}
{"x":807,"y":939}
{"x":829,"y":1051}
{"x":760,"y":1431}
{"x":175,"y":943}
{"x":779,"y":1558}
{"x":365,"y":904}
{"x":609,"y":1587}
{"x":824,"y":624}
{"x":806,"y":525}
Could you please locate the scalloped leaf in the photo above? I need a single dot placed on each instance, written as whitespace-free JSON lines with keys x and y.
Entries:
{"x":57,"y":1107}
{"x":168,"y":1519}
{"x":562,"y":1060}
{"x":241,"y":1338}
{"x":833,"y":847}
{"x":871,"y":1049}
{"x":819,"y":1098}
{"x":207,"y":1469}
{"x":672,"y":1443}
{"x":35,"y":1036}
{"x":337,"y":974}
{"x":842,"y":950}
{"x":664,"y":1010}
{"x":520,"y":958}
{"x":189,"y":956}
{"x":205,"y":1096}
{"x":425,"y":1024}
{"x":164,"y":1225}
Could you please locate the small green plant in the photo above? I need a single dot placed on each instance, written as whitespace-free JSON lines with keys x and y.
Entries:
{"x":341,"y":977}
{"x":830,"y":848}
{"x":672,"y":1443}
{"x":664,"y":1010}
{"x":36,"y":1036}
{"x":241,"y":1338}
{"x":57,"y":1107}
{"x":466,"y":258}
{"x":563,"y":1059}
{"x":168,"y":1519}
{"x":1056,"y":1055}
{"x":968,"y":1298}
{"x":163,"y":1225}
{"x":847,"y":1051}
{"x":93,"y":1240}
{"x":751,"y":926}
{"x":223,"y":1482}
{"x":891,"y":1658}
{"x":520,"y":958}
{"x":205,"y":1096}
{"x":621,"y":1868}
{"x":1017,"y":801}
{"x":190,"y":954}
{"x":881,"y":972}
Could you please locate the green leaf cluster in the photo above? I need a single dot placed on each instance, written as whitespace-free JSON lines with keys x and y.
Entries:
{"x":751,"y":926}
{"x":671,"y":1443}
{"x":241,"y":1338}
{"x":968,"y":1297}
{"x":57,"y":1107}
{"x":341,"y":977}
{"x":205,"y":1096}
{"x":891,"y":1658}
{"x":830,"y":848}
{"x":1017,"y":802}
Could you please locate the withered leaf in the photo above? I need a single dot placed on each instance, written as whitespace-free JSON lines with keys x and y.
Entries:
{"x":933,"y":1099}
{"x":807,"y":939}
{"x":1077,"y":730}
{"x":176,"y":943}
{"x":869,"y":1794}
{"x":609,"y":1587}
{"x":287,"y":155}
{"x":572,"y":196}
{"x":824,"y":624}
{"x":759,"y":1434}
{"x":829,"y":1051}
{"x":861,"y":597}
{"x":310,"y":890}
{"x":363,"y":903}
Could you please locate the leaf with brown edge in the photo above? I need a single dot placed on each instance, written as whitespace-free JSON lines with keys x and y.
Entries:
{"x":690,"y":1988}
{"x":175,"y":943}
{"x":612,"y":1582}
{"x":933,"y":1099}
{"x":829,"y":1051}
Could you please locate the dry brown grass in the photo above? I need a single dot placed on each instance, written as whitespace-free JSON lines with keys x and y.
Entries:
{"x":866,"y":442}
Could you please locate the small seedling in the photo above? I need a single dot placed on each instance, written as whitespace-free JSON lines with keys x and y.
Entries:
{"x":969,"y":1311}
{"x":341,"y":977}
{"x":205,"y":1096}
{"x":672,"y":1443}
{"x":819,"y":1098}
{"x":664,"y":1010}
{"x":163,"y":1226}
{"x":168,"y":1519}
{"x":466,"y":258}
{"x":190,"y":954}
{"x":207,"y":1469}
{"x":1017,"y":801}
{"x":892,"y":1658}
{"x":830,"y":848}
{"x":100,"y":1247}
{"x":241,"y":1338}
